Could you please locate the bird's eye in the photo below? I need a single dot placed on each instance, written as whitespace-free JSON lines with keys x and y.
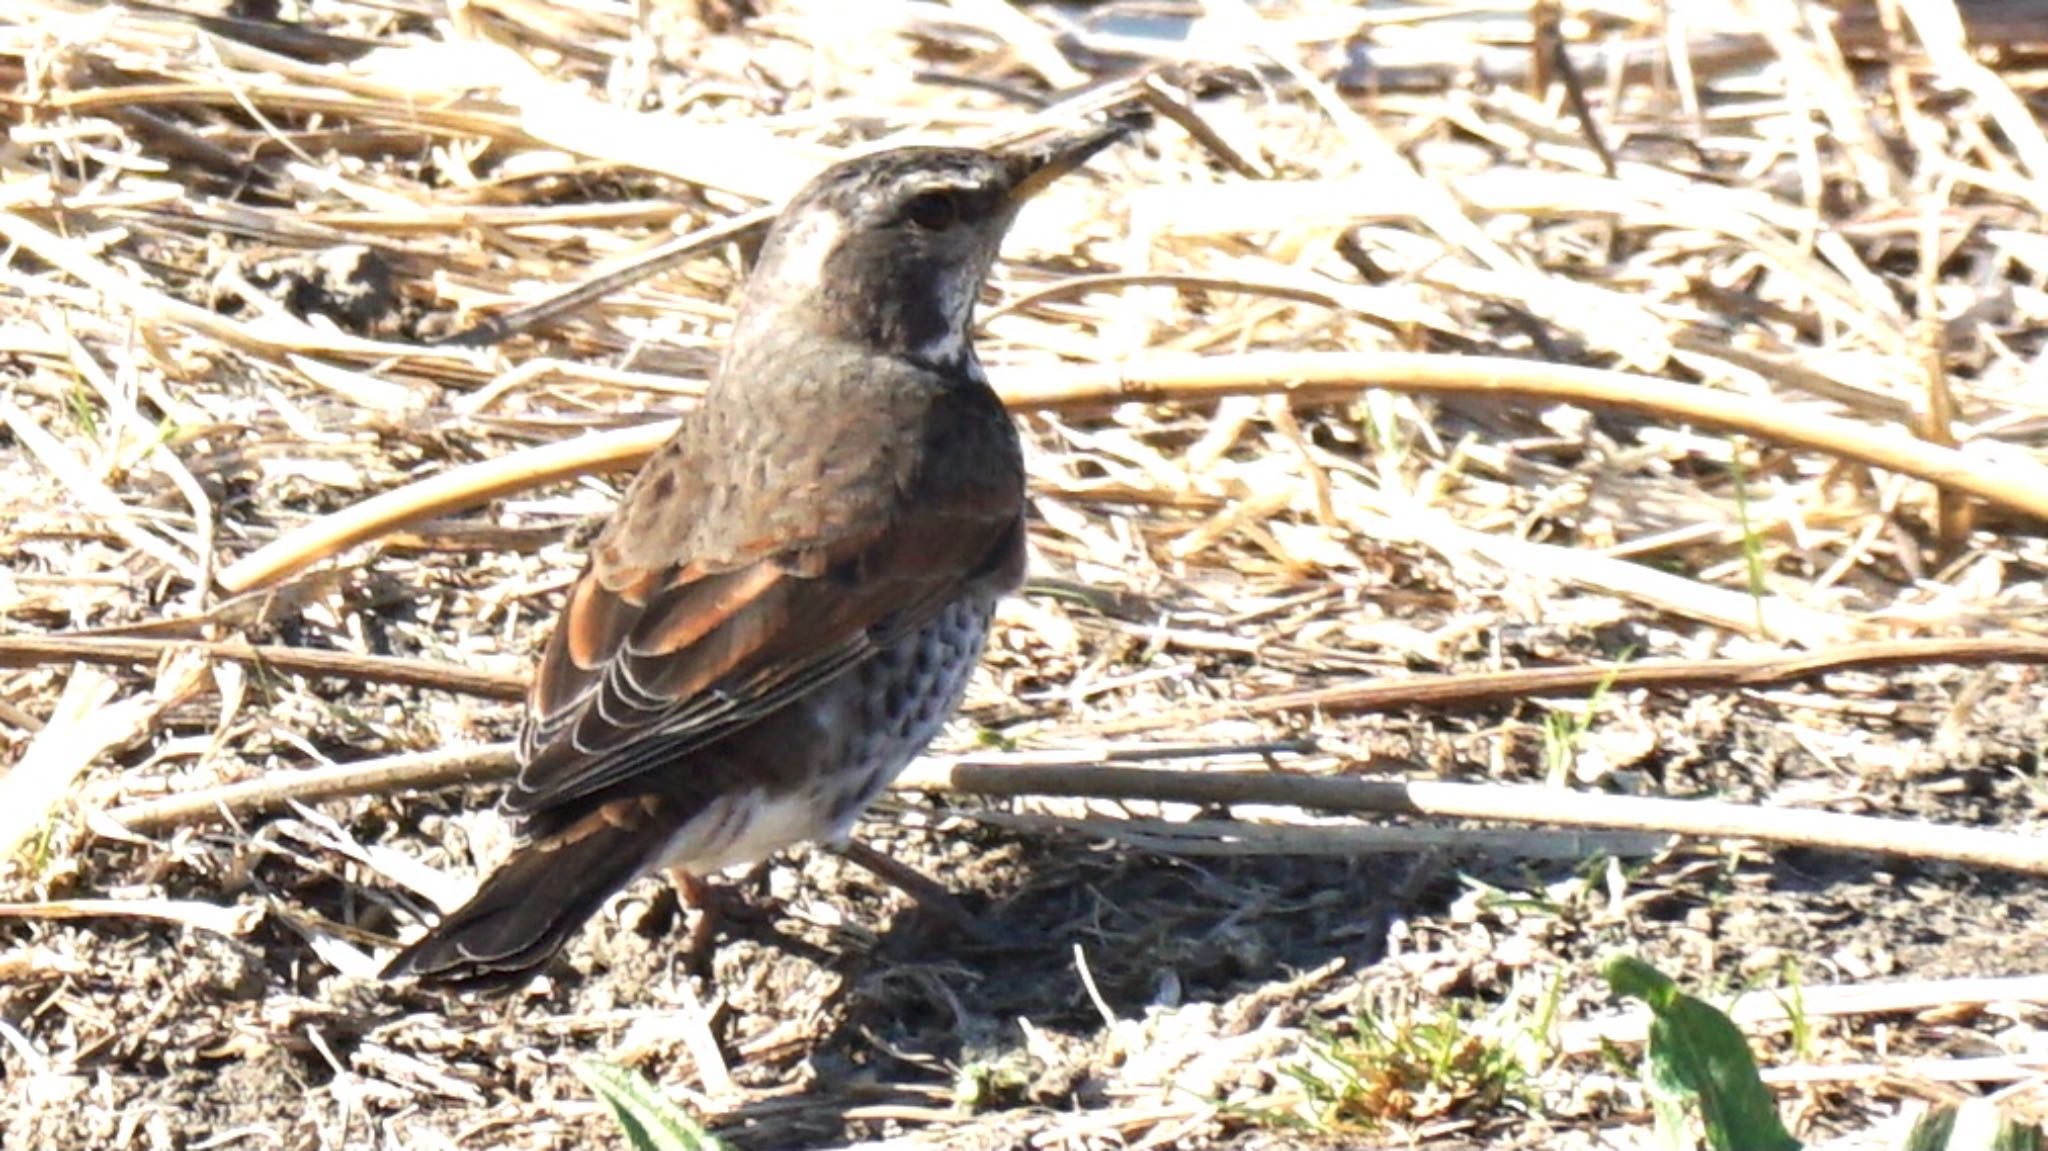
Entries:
{"x":933,"y":211}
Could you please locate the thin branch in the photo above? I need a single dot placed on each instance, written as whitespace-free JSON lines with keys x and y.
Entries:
{"x":38,"y":650}
{"x":1479,"y":689}
{"x":1317,"y":377}
{"x":669,"y":254}
{"x":1306,"y":377}
{"x":1243,"y":838}
{"x":1517,"y":804}
{"x":1503,"y":802}
{"x":273,"y":792}
{"x":450,"y":491}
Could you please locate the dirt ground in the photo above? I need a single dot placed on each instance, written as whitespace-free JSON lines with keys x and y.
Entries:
{"x":232,"y":232}
{"x":849,"y":1015}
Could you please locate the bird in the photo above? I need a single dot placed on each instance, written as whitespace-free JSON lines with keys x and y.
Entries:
{"x":787,"y":603}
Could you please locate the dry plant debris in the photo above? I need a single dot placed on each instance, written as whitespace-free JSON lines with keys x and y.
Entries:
{"x":1666,"y":360}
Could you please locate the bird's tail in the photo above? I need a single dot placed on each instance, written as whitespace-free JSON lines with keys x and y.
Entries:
{"x":530,"y":906}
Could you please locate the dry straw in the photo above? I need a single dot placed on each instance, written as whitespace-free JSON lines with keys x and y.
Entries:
{"x":1668,"y":394}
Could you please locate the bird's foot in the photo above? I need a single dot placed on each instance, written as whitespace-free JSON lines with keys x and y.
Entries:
{"x":705,"y":906}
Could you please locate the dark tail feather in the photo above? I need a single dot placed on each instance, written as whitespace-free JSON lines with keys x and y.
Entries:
{"x":528,"y":908}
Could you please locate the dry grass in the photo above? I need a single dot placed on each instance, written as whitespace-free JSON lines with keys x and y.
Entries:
{"x":1408,"y":341}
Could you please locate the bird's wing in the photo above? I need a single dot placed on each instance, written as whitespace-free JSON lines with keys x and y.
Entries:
{"x":651,"y":659}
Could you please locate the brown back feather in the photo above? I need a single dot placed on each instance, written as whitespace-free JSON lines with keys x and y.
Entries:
{"x":684,"y":626}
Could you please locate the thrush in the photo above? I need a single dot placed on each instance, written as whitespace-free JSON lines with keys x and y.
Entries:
{"x":786,"y":605}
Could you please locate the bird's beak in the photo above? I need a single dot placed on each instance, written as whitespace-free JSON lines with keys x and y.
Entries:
{"x":1039,"y":162}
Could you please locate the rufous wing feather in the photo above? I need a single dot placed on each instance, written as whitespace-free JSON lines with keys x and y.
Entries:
{"x":643,"y":668}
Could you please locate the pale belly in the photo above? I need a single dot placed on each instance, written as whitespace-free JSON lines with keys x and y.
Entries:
{"x":874,"y":720}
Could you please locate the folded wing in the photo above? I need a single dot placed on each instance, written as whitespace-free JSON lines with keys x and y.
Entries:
{"x":652,"y":659}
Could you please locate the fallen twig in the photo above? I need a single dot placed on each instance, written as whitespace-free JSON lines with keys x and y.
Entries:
{"x":1505,"y":803}
{"x":36,"y":650}
{"x":1242,"y":838}
{"x":1502,"y":802}
{"x":1477,"y":689}
{"x":275,"y":791}
{"x":1307,"y":377}
{"x":220,"y":920}
{"x":452,"y":490}
{"x":425,"y":771}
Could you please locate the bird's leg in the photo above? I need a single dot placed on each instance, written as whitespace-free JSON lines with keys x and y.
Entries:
{"x":923,"y":890}
{"x":697,"y":896}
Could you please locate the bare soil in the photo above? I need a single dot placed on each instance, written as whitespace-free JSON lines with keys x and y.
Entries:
{"x":279,"y":224}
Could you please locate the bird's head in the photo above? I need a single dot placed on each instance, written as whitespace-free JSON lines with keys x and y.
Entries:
{"x":889,"y":250}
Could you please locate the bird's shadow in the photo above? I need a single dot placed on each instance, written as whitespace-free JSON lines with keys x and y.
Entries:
{"x":1078,"y":934}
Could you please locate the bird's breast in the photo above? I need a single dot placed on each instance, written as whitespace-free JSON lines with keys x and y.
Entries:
{"x":838,"y":747}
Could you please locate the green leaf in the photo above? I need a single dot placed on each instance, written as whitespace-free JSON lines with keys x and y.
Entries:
{"x":1931,"y":1131}
{"x":1976,"y":1125}
{"x":651,"y":1123}
{"x":1698,"y":1056}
